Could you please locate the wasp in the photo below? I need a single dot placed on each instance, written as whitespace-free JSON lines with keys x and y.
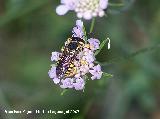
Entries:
{"x":65,"y":65}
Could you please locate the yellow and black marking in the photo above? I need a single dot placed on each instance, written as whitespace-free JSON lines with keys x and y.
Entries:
{"x":65,"y":65}
{"x":71,"y":71}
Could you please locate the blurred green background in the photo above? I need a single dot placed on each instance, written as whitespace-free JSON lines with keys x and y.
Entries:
{"x":30,"y":30}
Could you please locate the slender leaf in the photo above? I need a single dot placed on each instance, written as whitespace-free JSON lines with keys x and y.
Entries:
{"x":101,"y":46}
{"x":64,"y":91}
{"x":106,"y":75}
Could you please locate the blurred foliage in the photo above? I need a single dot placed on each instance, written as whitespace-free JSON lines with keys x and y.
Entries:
{"x":30,"y":30}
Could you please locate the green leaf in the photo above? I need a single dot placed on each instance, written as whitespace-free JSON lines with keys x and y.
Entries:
{"x":92,"y":25}
{"x":106,"y":75}
{"x":64,"y":91}
{"x":116,"y":4}
{"x":85,"y":33}
{"x":101,"y":46}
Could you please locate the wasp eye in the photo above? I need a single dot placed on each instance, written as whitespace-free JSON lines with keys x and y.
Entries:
{"x":72,"y":46}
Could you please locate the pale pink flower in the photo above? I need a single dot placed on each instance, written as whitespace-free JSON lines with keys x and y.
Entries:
{"x":79,"y":84}
{"x":65,"y":6}
{"x":52,"y":73}
{"x":55,"y":56}
{"x":83,"y":63}
{"x":86,"y":9}
{"x":67,"y":83}
{"x":56,"y":80}
{"x":89,"y":56}
{"x":78,"y":29}
{"x":96,"y":72}
{"x":94,"y":43}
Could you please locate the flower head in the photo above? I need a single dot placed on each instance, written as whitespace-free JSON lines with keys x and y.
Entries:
{"x":86,"y":9}
{"x":67,"y":83}
{"x":52,"y":73}
{"x":94,"y":43}
{"x":65,"y":6}
{"x":88,"y":56}
{"x":55,"y":56}
{"x":96,"y":72}
{"x":79,"y":84}
{"x":56,"y":80}
{"x":76,"y":60}
{"x":78,"y":29}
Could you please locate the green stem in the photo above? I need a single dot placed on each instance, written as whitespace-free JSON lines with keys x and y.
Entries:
{"x":92,"y":25}
{"x":116,"y":4}
{"x":62,"y":93}
{"x":123,"y":58}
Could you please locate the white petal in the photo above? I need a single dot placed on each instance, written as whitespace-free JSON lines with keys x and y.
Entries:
{"x":99,"y":76}
{"x":56,"y":80}
{"x":94,"y":14}
{"x":64,"y":1}
{"x":77,"y":75}
{"x":87,"y":15}
{"x":79,"y":23}
{"x":93,"y":77}
{"x":79,"y":15}
{"x":62,"y":9}
{"x":103,"y":4}
{"x":69,"y":3}
{"x":63,"y":86}
{"x":101,"y":13}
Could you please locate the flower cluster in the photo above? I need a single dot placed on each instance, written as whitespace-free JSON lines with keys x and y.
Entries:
{"x":80,"y":65}
{"x":84,"y":8}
